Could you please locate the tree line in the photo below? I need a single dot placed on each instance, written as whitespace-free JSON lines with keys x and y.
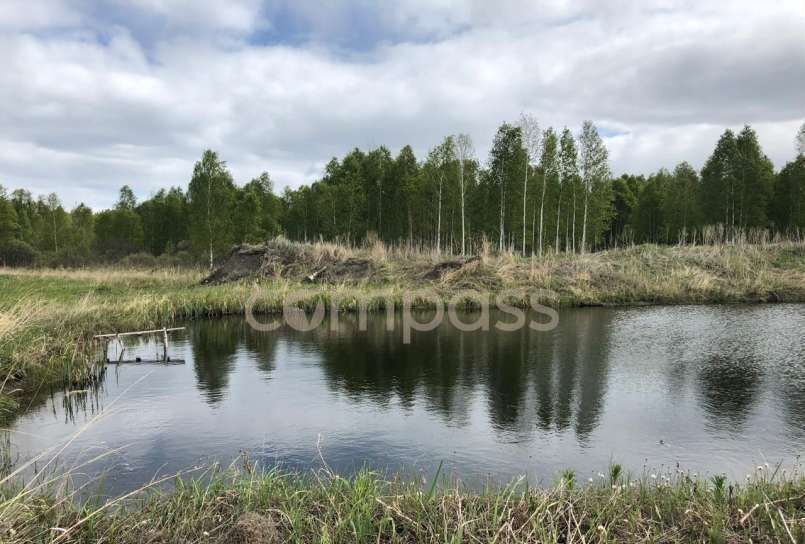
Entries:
{"x":537,"y":191}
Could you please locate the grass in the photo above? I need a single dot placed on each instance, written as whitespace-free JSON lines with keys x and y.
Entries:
{"x":48,"y":317}
{"x":247,"y":505}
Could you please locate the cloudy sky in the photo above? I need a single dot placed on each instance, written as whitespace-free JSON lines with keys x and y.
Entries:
{"x":96,"y":94}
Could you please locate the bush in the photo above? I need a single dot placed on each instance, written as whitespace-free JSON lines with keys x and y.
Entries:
{"x":180,"y":259}
{"x":66,"y":258}
{"x":183,"y":245}
{"x":138,"y":260}
{"x":18,"y":253}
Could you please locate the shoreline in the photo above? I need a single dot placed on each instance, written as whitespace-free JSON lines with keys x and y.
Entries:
{"x":248,"y":505}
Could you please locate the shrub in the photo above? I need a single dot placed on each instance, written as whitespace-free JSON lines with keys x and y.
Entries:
{"x":66,"y":258}
{"x":180,"y":259}
{"x":138,"y":260}
{"x":18,"y":253}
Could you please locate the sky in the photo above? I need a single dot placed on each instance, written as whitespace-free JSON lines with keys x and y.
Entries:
{"x":98,"y":94}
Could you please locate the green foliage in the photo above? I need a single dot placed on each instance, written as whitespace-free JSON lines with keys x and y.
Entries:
{"x":448,"y":201}
{"x":28,"y":218}
{"x":681,"y":204}
{"x":118,"y":232}
{"x":256,"y":211}
{"x":165,"y":220}
{"x":755,"y":174}
{"x":127,"y":200}
{"x":507,"y":161}
{"x":737,"y":182}
{"x":596,"y":188}
{"x":789,"y":197}
{"x":83,"y":230}
{"x":17,"y":253}
{"x":625,"y":197}
{"x":9,"y":225}
{"x":211,"y":194}
{"x":649,"y":216}
{"x":568,"y":479}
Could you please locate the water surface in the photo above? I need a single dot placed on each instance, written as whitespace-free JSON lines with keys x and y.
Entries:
{"x":714,"y":389}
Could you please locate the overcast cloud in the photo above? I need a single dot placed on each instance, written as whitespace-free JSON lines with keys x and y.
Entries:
{"x":97,"y":94}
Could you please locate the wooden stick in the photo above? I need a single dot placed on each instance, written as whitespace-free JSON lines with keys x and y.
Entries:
{"x":147,"y":362}
{"x":163,"y":330}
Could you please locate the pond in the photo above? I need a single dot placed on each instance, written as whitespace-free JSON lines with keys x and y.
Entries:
{"x":711,"y":389}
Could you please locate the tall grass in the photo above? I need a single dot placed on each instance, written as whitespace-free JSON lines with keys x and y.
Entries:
{"x":254,"y":506}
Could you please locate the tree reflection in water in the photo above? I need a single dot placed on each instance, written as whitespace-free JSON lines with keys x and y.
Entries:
{"x":531,"y":379}
{"x":215,"y":347}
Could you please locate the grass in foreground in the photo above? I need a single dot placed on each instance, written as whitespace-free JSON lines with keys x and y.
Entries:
{"x":249,"y":506}
{"x":48,"y":317}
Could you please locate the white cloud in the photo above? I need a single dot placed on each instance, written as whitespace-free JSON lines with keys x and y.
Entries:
{"x":22,"y":15}
{"x":86,"y":108}
{"x":228,"y":15}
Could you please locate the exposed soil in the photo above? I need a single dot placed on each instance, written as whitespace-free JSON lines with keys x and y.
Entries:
{"x":244,"y":261}
{"x":307,"y":263}
{"x":439,"y":271}
{"x":252,"y":528}
{"x":287,"y":260}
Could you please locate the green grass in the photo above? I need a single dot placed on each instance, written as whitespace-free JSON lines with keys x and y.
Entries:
{"x":252,"y":506}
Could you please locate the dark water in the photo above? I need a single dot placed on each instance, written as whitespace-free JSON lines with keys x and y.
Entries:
{"x":715,"y":389}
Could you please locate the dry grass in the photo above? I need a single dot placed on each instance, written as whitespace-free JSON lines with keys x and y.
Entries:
{"x":738,"y":272}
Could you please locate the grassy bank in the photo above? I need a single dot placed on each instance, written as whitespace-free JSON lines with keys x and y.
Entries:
{"x":255,"y":507}
{"x":47,"y":317}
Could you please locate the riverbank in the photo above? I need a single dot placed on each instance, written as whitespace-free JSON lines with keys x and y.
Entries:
{"x":48,"y":317}
{"x":253,"y":507}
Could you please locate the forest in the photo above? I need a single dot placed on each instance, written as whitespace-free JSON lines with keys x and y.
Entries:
{"x":537,"y":191}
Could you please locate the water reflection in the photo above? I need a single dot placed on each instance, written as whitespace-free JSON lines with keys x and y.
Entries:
{"x":215,"y":345}
{"x":701,"y":386}
{"x":548,"y":381}
{"x":729,"y":387}
{"x":531,"y":380}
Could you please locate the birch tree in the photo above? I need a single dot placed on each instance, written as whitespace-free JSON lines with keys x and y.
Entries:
{"x":504,"y":161}
{"x":568,"y":174}
{"x":594,"y":168}
{"x":52,"y":203}
{"x":800,"y":141}
{"x":211,"y":193}
{"x":440,"y":157}
{"x":549,"y":164}
{"x":530,"y":135}
{"x":719,"y":181}
{"x":464,"y":153}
